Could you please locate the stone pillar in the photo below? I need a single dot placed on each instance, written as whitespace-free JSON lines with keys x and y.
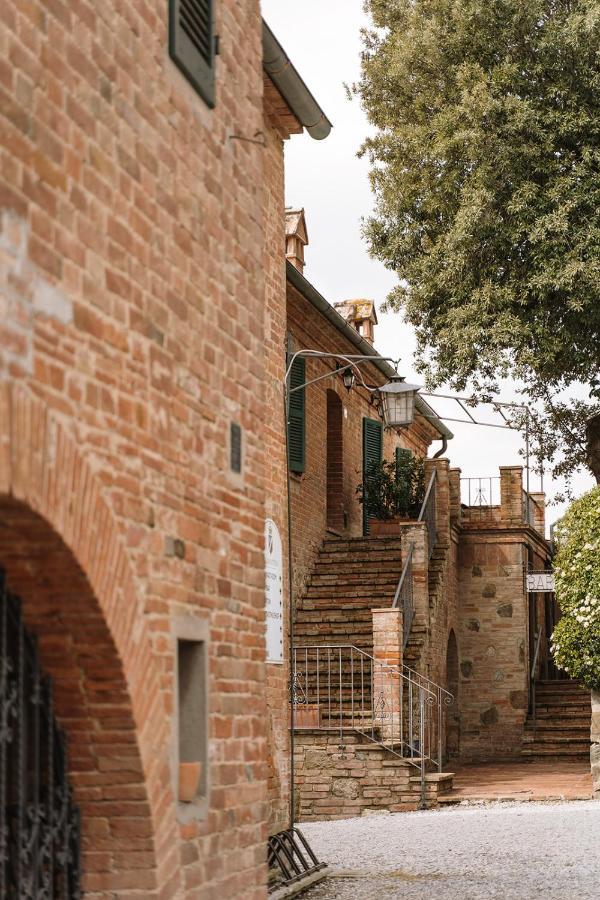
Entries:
{"x":511,"y":494}
{"x":387,"y":651}
{"x":595,"y":748}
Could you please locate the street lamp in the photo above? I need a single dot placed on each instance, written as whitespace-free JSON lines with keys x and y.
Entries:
{"x":398,"y":402}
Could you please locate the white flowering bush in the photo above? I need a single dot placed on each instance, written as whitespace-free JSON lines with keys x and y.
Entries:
{"x":576,"y":638}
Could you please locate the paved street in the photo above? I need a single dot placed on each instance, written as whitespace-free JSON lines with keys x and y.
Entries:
{"x":496,"y":852}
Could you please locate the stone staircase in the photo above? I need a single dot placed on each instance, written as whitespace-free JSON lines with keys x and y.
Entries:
{"x":562,"y":722}
{"x":350,"y":578}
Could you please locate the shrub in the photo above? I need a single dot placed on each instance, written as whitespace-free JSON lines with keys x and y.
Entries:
{"x":576,"y":638}
{"x":394,"y":490}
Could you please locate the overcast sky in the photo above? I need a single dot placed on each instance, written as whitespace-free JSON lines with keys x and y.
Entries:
{"x":322,"y":38}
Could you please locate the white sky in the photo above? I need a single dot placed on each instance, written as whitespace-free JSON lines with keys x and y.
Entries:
{"x":331,"y":183}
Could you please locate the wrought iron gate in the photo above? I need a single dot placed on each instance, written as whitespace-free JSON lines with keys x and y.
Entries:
{"x":39,"y":825}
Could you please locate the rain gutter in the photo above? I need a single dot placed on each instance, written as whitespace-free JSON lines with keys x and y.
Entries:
{"x":292,"y":88}
{"x":304,"y":287}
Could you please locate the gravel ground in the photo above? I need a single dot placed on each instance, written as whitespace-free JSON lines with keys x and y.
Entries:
{"x":497,"y":852}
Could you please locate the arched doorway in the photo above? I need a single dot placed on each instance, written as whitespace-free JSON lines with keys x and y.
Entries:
{"x":452,"y":682}
{"x":57,"y":629}
{"x":335,"y":462}
{"x":38,"y":819}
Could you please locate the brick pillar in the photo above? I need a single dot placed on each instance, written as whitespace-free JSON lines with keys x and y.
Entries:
{"x":387,"y":651}
{"x":455,"y":503}
{"x":511,"y":494}
{"x":442,"y":497}
{"x":539,"y":513}
{"x":595,"y":748}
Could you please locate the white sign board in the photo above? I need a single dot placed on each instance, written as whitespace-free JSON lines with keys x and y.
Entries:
{"x":273,"y":592}
{"x":540,"y":582}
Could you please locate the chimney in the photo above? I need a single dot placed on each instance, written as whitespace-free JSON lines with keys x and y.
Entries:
{"x":296,"y":237}
{"x":361,"y":315}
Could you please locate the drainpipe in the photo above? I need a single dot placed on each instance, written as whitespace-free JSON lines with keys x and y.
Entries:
{"x":442,"y":449}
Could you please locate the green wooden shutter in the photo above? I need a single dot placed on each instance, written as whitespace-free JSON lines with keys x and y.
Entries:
{"x":192,"y":43}
{"x":372,"y":453}
{"x":297,"y":417}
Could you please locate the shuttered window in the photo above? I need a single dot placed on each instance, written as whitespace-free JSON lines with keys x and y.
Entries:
{"x":372,"y":453}
{"x":192,"y":43}
{"x":297,"y":417}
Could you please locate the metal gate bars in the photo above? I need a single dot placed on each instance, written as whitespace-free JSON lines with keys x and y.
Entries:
{"x":39,"y":825}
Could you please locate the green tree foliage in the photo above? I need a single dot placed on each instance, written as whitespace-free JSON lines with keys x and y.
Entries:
{"x":485,"y":165}
{"x":576,"y":638}
{"x":393,"y":489}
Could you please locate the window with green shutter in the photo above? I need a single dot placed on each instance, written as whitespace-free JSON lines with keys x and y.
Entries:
{"x":372,"y":453}
{"x":192,"y":43}
{"x":297,"y":417}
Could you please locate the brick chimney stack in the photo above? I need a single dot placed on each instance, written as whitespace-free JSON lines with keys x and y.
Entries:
{"x":361,"y":315}
{"x":296,"y":237}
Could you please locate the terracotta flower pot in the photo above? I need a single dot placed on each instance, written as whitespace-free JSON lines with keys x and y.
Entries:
{"x":189,"y":780}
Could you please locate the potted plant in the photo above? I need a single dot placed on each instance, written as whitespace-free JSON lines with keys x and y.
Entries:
{"x":392,"y":493}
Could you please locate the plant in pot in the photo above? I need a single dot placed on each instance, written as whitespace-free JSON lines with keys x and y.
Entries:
{"x":392,"y":492}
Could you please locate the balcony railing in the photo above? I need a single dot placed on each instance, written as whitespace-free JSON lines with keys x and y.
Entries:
{"x":483,"y":492}
{"x":342,"y":688}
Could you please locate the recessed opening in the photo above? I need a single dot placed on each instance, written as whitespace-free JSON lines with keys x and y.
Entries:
{"x":193,"y":719}
{"x":235,"y":447}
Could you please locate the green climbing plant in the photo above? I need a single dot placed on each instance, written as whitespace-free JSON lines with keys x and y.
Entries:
{"x":576,"y":638}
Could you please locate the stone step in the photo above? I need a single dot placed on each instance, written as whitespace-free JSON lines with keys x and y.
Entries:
{"x":554,"y":736}
{"x":576,"y":751}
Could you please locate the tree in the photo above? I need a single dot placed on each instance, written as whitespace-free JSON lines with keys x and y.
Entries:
{"x":485,"y":166}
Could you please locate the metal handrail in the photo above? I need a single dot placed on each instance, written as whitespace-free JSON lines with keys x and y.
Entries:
{"x":404,"y":592}
{"x":341,"y":687}
{"x":427,"y":513}
{"x":532,"y":678}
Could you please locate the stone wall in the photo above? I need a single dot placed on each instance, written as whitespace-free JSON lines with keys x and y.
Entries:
{"x":492,"y":645}
{"x":595,"y":740}
{"x":337,"y":780}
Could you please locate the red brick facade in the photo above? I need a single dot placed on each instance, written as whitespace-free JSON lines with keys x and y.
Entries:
{"x":131,"y":311}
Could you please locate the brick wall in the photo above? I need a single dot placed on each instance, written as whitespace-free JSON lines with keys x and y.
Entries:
{"x":275,"y":483}
{"x":309,"y":329}
{"x":131,"y":312}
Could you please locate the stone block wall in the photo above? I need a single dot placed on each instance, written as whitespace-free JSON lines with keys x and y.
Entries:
{"x":492,"y":644}
{"x":338,"y":780}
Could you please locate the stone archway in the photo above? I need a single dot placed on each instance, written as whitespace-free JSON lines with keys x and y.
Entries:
{"x":452,"y":683}
{"x":61,"y":550}
{"x":335,"y":462}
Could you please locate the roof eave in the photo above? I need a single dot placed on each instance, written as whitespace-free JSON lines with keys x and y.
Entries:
{"x":311,"y":294}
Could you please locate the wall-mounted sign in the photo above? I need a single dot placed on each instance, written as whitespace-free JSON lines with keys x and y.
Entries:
{"x":273,"y":592}
{"x":538,"y":582}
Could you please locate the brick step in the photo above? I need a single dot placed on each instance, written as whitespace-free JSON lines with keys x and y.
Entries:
{"x":575,"y":751}
{"x":352,"y":587}
{"x":364,"y":546}
{"x":350,"y":592}
{"x":545,"y":735}
{"x":547,"y":726}
{"x":357,"y":567}
{"x":566,"y":715}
